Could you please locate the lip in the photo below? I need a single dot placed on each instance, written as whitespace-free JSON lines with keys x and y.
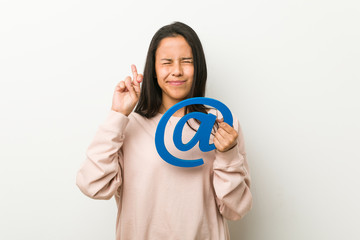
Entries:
{"x":176,"y":83}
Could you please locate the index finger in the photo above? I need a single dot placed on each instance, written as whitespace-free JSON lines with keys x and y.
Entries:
{"x":227,"y":127}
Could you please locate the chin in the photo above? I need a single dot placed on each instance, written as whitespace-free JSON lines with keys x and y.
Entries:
{"x":179,"y":97}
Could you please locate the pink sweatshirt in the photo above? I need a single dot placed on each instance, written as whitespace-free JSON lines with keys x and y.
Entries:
{"x":157,"y":200}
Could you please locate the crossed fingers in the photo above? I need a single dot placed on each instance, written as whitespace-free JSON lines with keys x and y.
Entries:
{"x":137,"y":78}
{"x":132,"y":85}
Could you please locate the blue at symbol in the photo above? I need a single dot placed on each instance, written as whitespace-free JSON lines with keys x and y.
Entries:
{"x":202,"y":135}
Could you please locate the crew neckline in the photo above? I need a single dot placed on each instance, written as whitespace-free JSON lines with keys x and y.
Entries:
{"x":172,"y":116}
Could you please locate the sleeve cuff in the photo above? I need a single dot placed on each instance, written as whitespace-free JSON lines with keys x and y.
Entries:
{"x":229,"y":158}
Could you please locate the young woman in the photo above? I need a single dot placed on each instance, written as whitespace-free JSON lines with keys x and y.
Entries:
{"x":157,"y":200}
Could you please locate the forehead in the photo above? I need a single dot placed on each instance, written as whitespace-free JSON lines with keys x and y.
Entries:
{"x":173,"y":46}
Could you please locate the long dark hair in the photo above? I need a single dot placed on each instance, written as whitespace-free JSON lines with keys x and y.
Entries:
{"x":151,"y":95}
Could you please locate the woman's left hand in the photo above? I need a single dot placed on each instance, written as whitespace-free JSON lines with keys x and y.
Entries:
{"x":225,"y":137}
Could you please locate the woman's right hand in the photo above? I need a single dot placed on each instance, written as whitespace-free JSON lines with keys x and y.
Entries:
{"x":127,"y":93}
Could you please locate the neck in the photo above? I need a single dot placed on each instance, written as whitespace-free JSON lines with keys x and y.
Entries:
{"x":165,"y":105}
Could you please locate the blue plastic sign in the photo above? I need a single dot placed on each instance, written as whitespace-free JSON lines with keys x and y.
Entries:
{"x":202,"y":135}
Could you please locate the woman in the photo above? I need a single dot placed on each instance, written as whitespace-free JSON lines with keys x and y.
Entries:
{"x":157,"y":200}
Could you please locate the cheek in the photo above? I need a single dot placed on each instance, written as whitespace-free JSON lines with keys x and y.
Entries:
{"x":161,"y":72}
{"x":160,"y":83}
{"x":189,"y":71}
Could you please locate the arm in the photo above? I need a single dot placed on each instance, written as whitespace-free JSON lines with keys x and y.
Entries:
{"x":100,"y":175}
{"x":232,"y":180}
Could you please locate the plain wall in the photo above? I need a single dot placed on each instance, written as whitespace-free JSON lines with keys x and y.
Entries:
{"x":289,"y":70}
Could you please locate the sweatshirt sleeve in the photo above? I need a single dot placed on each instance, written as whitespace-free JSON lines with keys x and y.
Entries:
{"x":232,"y":180}
{"x":100,"y":175}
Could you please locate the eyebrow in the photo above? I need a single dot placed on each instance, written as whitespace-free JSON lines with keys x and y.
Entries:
{"x":169,"y":59}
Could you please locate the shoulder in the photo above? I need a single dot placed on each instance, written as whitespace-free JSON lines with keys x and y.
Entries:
{"x":135,"y":117}
{"x":138,"y":122}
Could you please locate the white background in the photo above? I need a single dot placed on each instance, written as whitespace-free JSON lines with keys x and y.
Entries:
{"x":289,"y":70}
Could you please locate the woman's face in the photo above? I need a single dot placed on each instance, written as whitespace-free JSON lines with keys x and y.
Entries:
{"x":174,"y":69}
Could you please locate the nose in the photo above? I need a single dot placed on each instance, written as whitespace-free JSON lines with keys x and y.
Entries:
{"x":177,"y":70}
